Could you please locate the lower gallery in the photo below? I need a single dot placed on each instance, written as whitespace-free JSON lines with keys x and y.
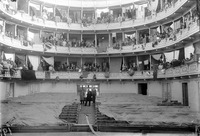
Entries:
{"x":99,"y":67}
{"x":122,"y":107}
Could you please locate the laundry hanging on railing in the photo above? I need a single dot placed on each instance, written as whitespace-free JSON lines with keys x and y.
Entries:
{"x":47,"y":46}
{"x":197,"y":47}
{"x":188,"y":51}
{"x":84,"y":74}
{"x":101,"y":48}
{"x":20,"y":60}
{"x":58,"y":13}
{"x":49,"y":60}
{"x":34,"y":60}
{"x":28,"y":74}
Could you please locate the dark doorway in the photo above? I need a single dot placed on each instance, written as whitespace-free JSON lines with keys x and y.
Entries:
{"x":185,"y":94}
{"x":88,"y":87}
{"x":142,"y":88}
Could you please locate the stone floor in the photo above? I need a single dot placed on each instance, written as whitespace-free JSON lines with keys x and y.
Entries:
{"x":99,"y":134}
{"x":86,"y":110}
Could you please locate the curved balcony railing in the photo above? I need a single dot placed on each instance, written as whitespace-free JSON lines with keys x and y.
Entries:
{"x":185,"y":33}
{"x":180,"y":71}
{"x":112,"y":26}
{"x":88,"y":4}
{"x":185,"y":70}
{"x":76,"y":75}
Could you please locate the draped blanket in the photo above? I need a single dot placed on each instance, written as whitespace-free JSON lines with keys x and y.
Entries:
{"x":28,"y":74}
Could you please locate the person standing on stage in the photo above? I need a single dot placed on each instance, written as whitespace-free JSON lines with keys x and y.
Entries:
{"x":89,"y":97}
{"x":94,"y":95}
{"x":82,"y":93}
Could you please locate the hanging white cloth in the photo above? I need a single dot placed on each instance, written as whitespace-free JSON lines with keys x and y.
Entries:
{"x":10,"y":56}
{"x":153,"y":5}
{"x":30,"y":36}
{"x":188,"y":50}
{"x":49,"y":60}
{"x":36,"y":6}
{"x":156,"y":56}
{"x":35,"y":60}
{"x":146,"y":62}
{"x":176,"y":54}
{"x":169,"y":56}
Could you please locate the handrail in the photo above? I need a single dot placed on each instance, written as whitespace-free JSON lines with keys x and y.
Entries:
{"x":87,"y":4}
{"x":184,"y":70}
{"x":173,"y":72}
{"x":57,"y":75}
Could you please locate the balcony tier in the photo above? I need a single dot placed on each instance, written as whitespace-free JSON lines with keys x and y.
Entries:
{"x":185,"y":34}
{"x":163,"y":16}
{"x":180,"y":71}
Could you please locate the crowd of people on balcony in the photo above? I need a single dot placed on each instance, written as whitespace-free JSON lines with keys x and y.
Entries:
{"x":7,"y":67}
{"x":62,"y":41}
{"x":86,"y":20}
{"x":74,"y":67}
{"x":167,"y":33}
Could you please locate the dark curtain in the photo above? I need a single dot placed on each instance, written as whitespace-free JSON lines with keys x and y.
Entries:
{"x":58,"y":13}
{"x":30,"y":66}
{"x":159,"y":6}
{"x":28,"y":74}
{"x":20,"y":60}
{"x":198,"y":7}
{"x":181,"y":54}
{"x":23,"y":5}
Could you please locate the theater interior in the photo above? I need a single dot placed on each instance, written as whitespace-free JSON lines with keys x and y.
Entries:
{"x":100,"y":67}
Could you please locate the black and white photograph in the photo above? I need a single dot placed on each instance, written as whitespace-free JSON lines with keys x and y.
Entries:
{"x":99,"y":67}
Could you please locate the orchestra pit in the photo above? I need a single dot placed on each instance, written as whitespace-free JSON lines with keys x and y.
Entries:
{"x":100,"y":67}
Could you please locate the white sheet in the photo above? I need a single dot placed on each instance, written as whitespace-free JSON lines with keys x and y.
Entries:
{"x":35,"y":60}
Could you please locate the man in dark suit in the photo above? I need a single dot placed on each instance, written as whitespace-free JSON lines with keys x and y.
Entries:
{"x":94,"y":95}
{"x":89,"y":97}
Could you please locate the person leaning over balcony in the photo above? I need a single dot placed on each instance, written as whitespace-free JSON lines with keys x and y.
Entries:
{"x":189,"y":22}
{"x":51,"y":68}
{"x":44,"y":15}
{"x":120,"y":19}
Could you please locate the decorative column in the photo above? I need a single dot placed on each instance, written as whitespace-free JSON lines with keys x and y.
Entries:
{"x":81,"y":36}
{"x":123,"y":61}
{"x":95,"y":60}
{"x":68,"y":36}
{"x":137,"y":37}
{"x":150,"y":34}
{"x":81,"y":61}
{"x":150,"y":62}
{"x":54,"y":11}
{"x":95,"y":39}
{"x":123,"y":36}
{"x":14,"y":57}
{"x":109,"y":63}
{"x":15,"y":33}
{"x":28,"y":7}
{"x":81,"y":13}
{"x":41,"y":7}
{"x":109,"y":39}
{"x":137,"y":63}
{"x":27,"y":32}
{"x":67,"y":61}
{"x":68,"y":11}
{"x":40,"y":34}
{"x":4,"y":27}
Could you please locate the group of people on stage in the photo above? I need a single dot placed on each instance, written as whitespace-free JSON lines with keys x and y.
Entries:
{"x":88,"y":95}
